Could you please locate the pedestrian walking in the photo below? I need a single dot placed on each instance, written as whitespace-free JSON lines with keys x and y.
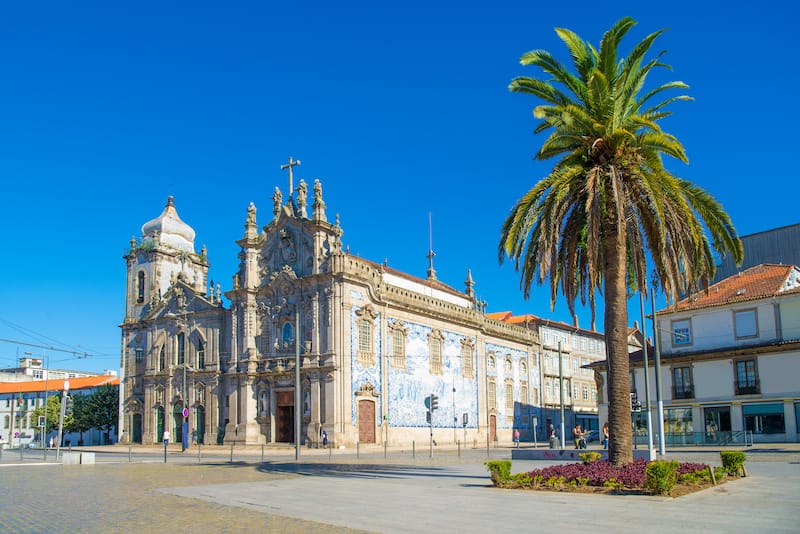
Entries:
{"x":165,"y":438}
{"x":516,"y":437}
{"x":324,"y":439}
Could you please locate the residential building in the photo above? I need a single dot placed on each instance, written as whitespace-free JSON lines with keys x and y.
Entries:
{"x":564,"y":351}
{"x":18,"y":400}
{"x":373,"y":343}
{"x":31,"y":369}
{"x":730,"y":358}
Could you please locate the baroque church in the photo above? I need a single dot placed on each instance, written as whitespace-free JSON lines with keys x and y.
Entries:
{"x":372,"y":343}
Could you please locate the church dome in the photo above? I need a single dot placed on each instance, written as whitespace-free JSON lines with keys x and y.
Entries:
{"x":168,"y":229}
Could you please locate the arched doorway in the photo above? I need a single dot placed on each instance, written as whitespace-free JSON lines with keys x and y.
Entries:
{"x":177,"y":418}
{"x":136,"y":428}
{"x":159,"y":424}
{"x":200,"y":423}
{"x":366,"y":421}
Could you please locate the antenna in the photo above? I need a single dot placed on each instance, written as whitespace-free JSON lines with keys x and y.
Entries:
{"x":431,"y":271}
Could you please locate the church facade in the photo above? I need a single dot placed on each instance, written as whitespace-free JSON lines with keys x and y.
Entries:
{"x":372,"y":343}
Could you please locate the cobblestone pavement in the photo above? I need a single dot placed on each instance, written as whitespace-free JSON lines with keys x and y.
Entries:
{"x":126,"y":498}
{"x":330,"y":491}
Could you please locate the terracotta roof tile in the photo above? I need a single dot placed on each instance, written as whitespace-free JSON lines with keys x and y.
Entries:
{"x":84,"y":382}
{"x":765,"y":280}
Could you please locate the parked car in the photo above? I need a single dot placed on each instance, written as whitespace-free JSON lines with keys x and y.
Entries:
{"x":591,"y":435}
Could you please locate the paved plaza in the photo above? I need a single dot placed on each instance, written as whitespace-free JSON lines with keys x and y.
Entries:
{"x":376,"y":491}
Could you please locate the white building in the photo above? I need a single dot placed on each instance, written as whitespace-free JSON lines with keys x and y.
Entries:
{"x":19,"y":399}
{"x":31,"y":368}
{"x":730,"y":361}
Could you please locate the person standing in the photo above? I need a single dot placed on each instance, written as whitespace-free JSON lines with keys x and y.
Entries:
{"x":324,"y":439}
{"x":605,"y":435}
{"x":516,"y":437}
{"x":165,"y":438}
{"x":577,"y":435}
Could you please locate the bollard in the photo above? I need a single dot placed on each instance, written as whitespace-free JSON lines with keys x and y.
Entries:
{"x":384,"y":450}
{"x":165,"y":451}
{"x":459,"y":448}
{"x":414,"y":449}
{"x":262,"y":453}
{"x":199,"y":454}
{"x":20,"y":450}
{"x":231,"y":452}
{"x":130,"y":458}
{"x":358,"y":451}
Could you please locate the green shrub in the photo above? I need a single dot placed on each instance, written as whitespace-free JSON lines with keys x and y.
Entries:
{"x":589,"y":457}
{"x":733,"y":462}
{"x":582,"y":481}
{"x":499,"y":470}
{"x":520,"y":480}
{"x":556,"y":482}
{"x":662,"y":475}
{"x":613,"y":483}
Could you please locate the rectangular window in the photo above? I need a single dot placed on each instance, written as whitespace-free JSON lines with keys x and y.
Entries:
{"x":586,"y":393}
{"x":678,"y":421}
{"x":682,"y":386}
{"x":201,"y":354}
{"x":398,"y":349}
{"x":746,"y":382}
{"x":139,"y":355}
{"x":468,"y":369}
{"x":364,"y":336}
{"x":523,"y":393}
{"x":764,"y":418}
{"x":509,"y":397}
{"x":181,"y":348}
{"x":681,"y":332}
{"x":492,"y":395}
{"x":436,"y":356}
{"x":746,"y":323}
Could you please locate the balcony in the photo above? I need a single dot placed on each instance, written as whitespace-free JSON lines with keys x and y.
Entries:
{"x":683,"y":392}
{"x":749,"y":387}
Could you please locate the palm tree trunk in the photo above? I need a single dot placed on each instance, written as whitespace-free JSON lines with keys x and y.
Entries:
{"x":620,"y":449}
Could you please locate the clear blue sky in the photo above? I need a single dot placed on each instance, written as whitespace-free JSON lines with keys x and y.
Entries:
{"x":399,"y":108}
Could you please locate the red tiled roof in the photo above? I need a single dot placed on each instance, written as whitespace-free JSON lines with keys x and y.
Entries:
{"x":765,"y":280}
{"x":84,"y":382}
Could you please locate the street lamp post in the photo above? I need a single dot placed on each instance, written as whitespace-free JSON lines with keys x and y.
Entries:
{"x":659,"y":396}
{"x":64,"y":394}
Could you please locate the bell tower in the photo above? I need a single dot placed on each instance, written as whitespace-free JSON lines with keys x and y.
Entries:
{"x":164,"y":254}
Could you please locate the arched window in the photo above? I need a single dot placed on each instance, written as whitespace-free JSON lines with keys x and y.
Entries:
{"x":140,"y":287}
{"x":162,"y":359}
{"x":288,"y":334}
{"x":201,"y":354}
{"x":181,"y":348}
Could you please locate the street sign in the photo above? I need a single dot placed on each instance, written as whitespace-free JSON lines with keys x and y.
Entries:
{"x":186,"y":412}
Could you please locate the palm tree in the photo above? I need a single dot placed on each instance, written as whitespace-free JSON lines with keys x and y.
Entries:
{"x":608,"y":203}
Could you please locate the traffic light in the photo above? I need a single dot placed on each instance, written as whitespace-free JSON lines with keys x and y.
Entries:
{"x":434,"y":402}
{"x":68,"y":405}
{"x":427,"y":417}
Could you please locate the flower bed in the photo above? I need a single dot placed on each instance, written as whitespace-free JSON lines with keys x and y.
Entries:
{"x":665,"y":478}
